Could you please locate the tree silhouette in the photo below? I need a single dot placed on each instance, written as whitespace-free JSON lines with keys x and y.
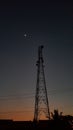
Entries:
{"x":56,"y":115}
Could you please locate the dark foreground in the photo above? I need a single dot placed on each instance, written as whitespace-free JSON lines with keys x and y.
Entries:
{"x":42,"y":125}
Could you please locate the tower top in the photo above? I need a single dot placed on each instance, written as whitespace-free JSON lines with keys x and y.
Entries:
{"x":40,"y":47}
{"x":40,"y":57}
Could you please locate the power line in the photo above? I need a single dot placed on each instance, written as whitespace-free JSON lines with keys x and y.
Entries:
{"x":16,"y":98}
{"x":10,"y":112}
{"x":32,"y":95}
{"x":16,"y":95}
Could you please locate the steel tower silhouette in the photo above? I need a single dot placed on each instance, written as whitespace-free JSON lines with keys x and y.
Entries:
{"x":41,"y":99}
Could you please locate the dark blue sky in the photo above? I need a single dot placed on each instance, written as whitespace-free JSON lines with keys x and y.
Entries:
{"x":50,"y":24}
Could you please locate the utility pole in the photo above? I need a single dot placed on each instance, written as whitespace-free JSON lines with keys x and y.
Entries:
{"x":41,"y":98}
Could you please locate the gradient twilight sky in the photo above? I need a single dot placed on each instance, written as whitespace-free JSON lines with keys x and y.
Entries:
{"x":47,"y":23}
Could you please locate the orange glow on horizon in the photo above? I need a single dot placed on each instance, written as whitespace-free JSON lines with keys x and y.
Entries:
{"x":25,"y":112}
{"x":17,"y":116}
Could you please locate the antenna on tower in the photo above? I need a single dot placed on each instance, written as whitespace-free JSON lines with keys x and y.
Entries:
{"x":41,"y":98}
